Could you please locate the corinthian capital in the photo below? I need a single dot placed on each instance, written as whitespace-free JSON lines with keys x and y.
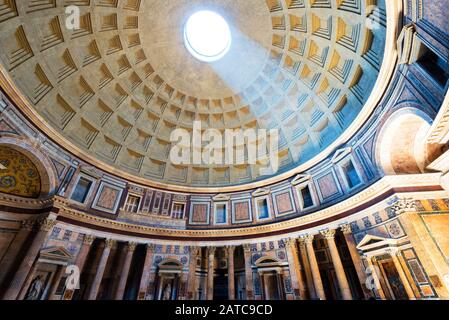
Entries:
{"x":328,"y":234}
{"x":109,"y":243}
{"x":308,"y":238}
{"x":230,"y":249}
{"x":46,"y":224}
{"x":131,"y":246}
{"x":27,"y":224}
{"x":211,"y":250}
{"x":346,"y":229}
{"x":88,"y":239}
{"x":394,"y":252}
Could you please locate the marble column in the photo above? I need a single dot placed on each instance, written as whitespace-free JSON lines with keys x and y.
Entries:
{"x":248,"y":271}
{"x":88,"y":240}
{"x":14,"y":248}
{"x":307,"y":271}
{"x":343,"y":283}
{"x":231,"y":276}
{"x":210,"y":272}
{"x":356,"y":260}
{"x":129,"y":252}
{"x":144,"y":280}
{"x":192,"y":279}
{"x":80,"y":262}
{"x":295,"y":269}
{"x":45,"y":226}
{"x":93,"y":292}
{"x":394,"y":253}
{"x":373,"y":279}
{"x":317,"y":283}
{"x":55,"y":282}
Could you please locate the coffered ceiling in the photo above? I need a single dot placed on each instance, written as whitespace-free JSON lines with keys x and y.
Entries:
{"x":117,"y":87}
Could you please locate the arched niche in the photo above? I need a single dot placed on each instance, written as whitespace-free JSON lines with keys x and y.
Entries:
{"x":267,"y":262}
{"x":401,"y":145}
{"x":168,"y":280}
{"x":271,"y":278}
{"x":35,"y":160}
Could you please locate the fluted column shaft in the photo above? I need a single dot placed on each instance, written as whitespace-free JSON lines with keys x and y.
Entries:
{"x":343,"y":283}
{"x":248,"y":272}
{"x":100,"y":269}
{"x":317,"y":282}
{"x":45,"y":226}
{"x":356,"y":260}
{"x":231,"y":276}
{"x":143,"y":288}
{"x":295,"y":269}
{"x":192,"y":281}
{"x":129,"y":250}
{"x":210,"y":273}
{"x":14,"y":248}
{"x":408,"y":288}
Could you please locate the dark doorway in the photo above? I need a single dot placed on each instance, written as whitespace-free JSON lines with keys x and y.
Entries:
{"x":221,"y":286}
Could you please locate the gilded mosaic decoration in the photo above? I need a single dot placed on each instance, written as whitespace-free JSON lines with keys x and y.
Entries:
{"x":18,"y":175}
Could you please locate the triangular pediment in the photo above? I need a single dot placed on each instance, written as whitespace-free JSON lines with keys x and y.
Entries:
{"x":261,"y":192}
{"x":370,"y":242}
{"x":221,"y":197}
{"x":340,"y":154}
{"x":56,"y":253}
{"x":370,"y":239}
{"x":301,"y":178}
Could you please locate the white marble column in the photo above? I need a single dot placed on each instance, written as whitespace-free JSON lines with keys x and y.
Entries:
{"x":356,"y":260}
{"x":316,"y":276}
{"x":395,"y":255}
{"x":295,"y":269}
{"x":374,"y":281}
{"x":343,"y":283}
{"x":307,"y":271}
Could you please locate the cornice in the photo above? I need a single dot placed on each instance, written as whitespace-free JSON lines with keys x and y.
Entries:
{"x":407,"y":186}
{"x":24,"y":203}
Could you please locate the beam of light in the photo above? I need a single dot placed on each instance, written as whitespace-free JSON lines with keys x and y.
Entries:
{"x":242,"y":65}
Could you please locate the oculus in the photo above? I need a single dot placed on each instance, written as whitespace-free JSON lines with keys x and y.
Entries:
{"x":207,"y":36}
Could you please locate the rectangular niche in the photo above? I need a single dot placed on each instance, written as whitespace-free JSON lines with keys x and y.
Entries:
{"x":263,"y":208}
{"x":220,"y":213}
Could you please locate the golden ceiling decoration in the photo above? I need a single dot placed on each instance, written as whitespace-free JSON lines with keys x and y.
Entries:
{"x":18,"y":175}
{"x":119,"y":85}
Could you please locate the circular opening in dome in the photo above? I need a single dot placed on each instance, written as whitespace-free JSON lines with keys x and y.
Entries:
{"x":207,"y":36}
